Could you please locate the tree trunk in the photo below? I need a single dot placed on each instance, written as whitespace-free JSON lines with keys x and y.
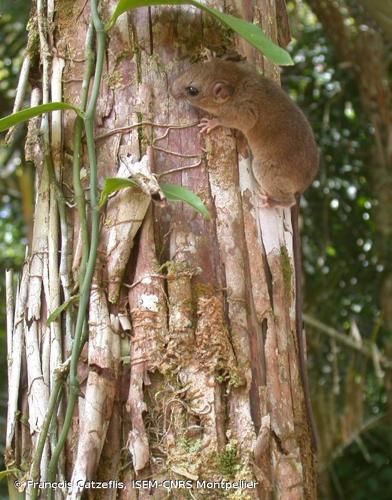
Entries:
{"x":191,"y":370}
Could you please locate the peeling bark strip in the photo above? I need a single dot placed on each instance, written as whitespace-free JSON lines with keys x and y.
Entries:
{"x":191,"y":370}
{"x":124,"y":216}
{"x":148,"y":313}
{"x":104,"y":363}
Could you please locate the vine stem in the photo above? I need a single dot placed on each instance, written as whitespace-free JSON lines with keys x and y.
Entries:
{"x":86,"y":286}
{"x":77,"y":146}
{"x":55,"y":396}
{"x":54,"y":400}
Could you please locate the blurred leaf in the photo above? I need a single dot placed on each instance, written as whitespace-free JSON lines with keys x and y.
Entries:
{"x":56,"y":313}
{"x":179,"y":193}
{"x":5,"y":473}
{"x":26,"y":114}
{"x":361,"y":200}
{"x":330,"y":251}
{"x":113,"y":184}
{"x":249,"y":31}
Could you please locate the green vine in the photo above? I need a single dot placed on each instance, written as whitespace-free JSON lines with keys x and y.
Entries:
{"x":80,"y":199}
{"x":54,"y":401}
{"x":90,"y":265}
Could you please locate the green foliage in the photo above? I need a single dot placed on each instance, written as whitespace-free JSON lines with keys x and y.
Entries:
{"x":16,"y":13}
{"x":8,"y":472}
{"x":369,"y":464}
{"x":228,"y":461}
{"x":190,"y":445}
{"x":178,"y":193}
{"x":249,"y":31}
{"x":342,"y":265}
{"x":13,"y":16}
{"x":113,"y":184}
{"x":56,"y":313}
{"x":172,"y":192}
{"x":12,"y":42}
{"x":12,"y":240}
{"x":28,"y":113}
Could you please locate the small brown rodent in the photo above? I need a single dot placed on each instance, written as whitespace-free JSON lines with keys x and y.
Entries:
{"x":285,"y":156}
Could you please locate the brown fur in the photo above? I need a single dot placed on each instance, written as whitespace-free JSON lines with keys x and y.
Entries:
{"x":285,"y":156}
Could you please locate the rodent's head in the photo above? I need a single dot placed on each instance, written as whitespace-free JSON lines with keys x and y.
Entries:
{"x":207,"y":85}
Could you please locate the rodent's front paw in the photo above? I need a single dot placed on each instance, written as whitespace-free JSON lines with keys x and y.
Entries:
{"x":206,"y":125}
{"x":265,"y":201}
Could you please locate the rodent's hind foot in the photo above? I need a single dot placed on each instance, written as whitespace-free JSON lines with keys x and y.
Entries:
{"x":268,"y":202}
{"x":207,"y":124}
{"x":264,"y":201}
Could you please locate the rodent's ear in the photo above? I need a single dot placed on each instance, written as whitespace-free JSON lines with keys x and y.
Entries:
{"x":222,"y":91}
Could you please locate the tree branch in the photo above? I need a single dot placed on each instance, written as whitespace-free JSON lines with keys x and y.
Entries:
{"x":347,"y":341}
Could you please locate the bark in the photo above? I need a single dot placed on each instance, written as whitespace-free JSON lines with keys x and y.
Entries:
{"x":191,"y":370}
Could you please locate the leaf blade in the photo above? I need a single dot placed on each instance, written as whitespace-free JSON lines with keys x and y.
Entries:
{"x":173,"y":192}
{"x":179,"y":193}
{"x":56,"y":313}
{"x":28,"y":113}
{"x":254,"y":35}
{"x":113,"y":184}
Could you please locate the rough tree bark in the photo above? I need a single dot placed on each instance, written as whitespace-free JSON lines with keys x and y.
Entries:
{"x":191,"y":369}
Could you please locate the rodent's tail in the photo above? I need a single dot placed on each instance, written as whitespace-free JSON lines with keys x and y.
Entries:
{"x":299,"y":323}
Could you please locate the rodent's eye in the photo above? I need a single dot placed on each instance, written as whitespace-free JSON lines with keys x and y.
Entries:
{"x":193,"y":91}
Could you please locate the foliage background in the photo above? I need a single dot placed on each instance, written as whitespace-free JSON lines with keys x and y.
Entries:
{"x":13,"y":18}
{"x":341,"y":265}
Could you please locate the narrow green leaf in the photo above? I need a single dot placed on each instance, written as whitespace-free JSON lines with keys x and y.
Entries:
{"x":7,"y":472}
{"x":253,"y":35}
{"x":56,"y":313}
{"x":113,"y":184}
{"x":249,"y":31}
{"x":179,"y":193}
{"x":171,"y":191}
{"x":26,"y":114}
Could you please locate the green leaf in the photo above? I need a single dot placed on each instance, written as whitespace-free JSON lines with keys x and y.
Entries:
{"x":331,"y":251}
{"x":249,"y":31}
{"x":113,"y":184}
{"x":179,"y":193}
{"x":56,"y":313}
{"x":171,"y":191}
{"x":5,"y":473}
{"x":255,"y":36}
{"x":26,"y":114}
